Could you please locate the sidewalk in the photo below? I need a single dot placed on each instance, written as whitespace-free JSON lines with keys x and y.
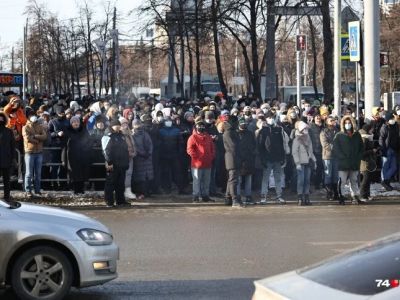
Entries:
{"x":96,"y":199}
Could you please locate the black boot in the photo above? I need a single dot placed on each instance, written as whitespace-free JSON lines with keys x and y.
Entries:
{"x":228,"y":201}
{"x":329,"y":192}
{"x":335,"y":191}
{"x":386,"y":185}
{"x":300,"y":201}
{"x":307,"y":200}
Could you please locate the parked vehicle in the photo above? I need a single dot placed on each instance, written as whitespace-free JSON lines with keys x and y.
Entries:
{"x":44,"y":251}
{"x":369,"y":272}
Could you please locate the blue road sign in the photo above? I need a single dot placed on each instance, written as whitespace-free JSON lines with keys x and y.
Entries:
{"x":354,"y":41}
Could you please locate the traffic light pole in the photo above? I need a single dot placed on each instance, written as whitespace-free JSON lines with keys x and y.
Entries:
{"x":337,"y":85}
{"x":371,"y":56}
{"x":298,"y":68}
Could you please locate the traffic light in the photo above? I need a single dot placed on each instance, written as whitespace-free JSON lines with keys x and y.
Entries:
{"x":301,"y":42}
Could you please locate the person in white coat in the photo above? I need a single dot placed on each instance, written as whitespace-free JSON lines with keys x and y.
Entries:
{"x":304,"y":160}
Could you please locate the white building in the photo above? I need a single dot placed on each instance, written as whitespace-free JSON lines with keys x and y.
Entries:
{"x":387,"y":4}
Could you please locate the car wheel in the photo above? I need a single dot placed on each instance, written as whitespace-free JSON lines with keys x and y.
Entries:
{"x":41,"y":273}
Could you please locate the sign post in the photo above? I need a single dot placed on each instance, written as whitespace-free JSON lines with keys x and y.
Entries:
{"x":355,"y":56}
{"x":301,"y":45}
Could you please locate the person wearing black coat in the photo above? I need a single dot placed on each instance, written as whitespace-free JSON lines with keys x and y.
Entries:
{"x":116,"y":154}
{"x":7,"y":154}
{"x":77,"y":154}
{"x":232,"y":161}
{"x":247,"y":146}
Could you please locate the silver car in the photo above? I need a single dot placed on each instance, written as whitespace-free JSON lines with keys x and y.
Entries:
{"x":369,"y":272}
{"x":44,"y":251}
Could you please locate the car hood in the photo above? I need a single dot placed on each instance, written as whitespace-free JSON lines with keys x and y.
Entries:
{"x":56,"y":216}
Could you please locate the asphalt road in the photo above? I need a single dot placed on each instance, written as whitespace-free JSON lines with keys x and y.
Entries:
{"x":217,"y":252}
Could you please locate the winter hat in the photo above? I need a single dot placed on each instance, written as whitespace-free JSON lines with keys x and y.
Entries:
{"x":389,"y":115}
{"x":59,"y":110}
{"x":265,"y":106}
{"x":269,"y":114}
{"x":159,"y":107}
{"x":122,"y":120}
{"x":187,"y":115}
{"x":324,"y":110}
{"x":282,"y":106}
{"x":207,"y":99}
{"x":75,"y":119}
{"x":234,"y":111}
{"x":225,"y":112}
{"x":167,"y":111}
{"x":199,"y":120}
{"x":68,"y":111}
{"x":246,"y":109}
{"x":74,"y":105}
{"x":126,"y":112}
{"x":300,"y":125}
{"x":209,"y":115}
{"x":114,"y":122}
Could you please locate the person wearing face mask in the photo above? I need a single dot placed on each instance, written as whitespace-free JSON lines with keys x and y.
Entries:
{"x":389,"y":142}
{"x":77,"y":154}
{"x":348,"y":149}
{"x":396,"y":111}
{"x":368,"y":163}
{"x":211,"y":129}
{"x":7,"y":154}
{"x":201,"y":149}
{"x":34,"y":136}
{"x":132,"y":153}
{"x":186,"y":128}
{"x":170,"y":165}
{"x":116,"y":154}
{"x":326,"y":137}
{"x":304,"y":160}
{"x":57,"y":130}
{"x":376,"y":121}
{"x":272,"y":144}
{"x":247,"y":150}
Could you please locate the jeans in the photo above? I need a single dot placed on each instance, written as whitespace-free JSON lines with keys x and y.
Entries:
{"x":247,"y":185}
{"x":331,"y":171}
{"x":33,"y":163}
{"x":277,"y":169}
{"x":352,"y":176}
{"x":303,"y":180}
{"x":201,"y":182}
{"x":389,"y":164}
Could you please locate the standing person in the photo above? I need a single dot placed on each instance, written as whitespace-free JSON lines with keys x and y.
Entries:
{"x":389,"y":141}
{"x":132,"y":153}
{"x":330,"y":163}
{"x":142,"y":162}
{"x":77,"y":154}
{"x":16,"y":119}
{"x":272,"y":144}
{"x":34,"y":135}
{"x":368,"y":162}
{"x":201,"y":149}
{"x":7,"y":154}
{"x":232,"y":161}
{"x":348,"y":149}
{"x":315,"y":131}
{"x":170,"y":141}
{"x":57,"y":129}
{"x":116,"y":154}
{"x":304,"y":158}
{"x":247,"y":146}
{"x":98,"y":171}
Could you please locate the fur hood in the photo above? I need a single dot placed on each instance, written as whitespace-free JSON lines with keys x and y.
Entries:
{"x":353,"y":122}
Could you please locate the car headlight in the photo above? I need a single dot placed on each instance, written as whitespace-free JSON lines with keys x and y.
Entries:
{"x":95,"y":237}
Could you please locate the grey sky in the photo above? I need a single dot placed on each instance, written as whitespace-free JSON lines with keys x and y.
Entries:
{"x":13,"y":19}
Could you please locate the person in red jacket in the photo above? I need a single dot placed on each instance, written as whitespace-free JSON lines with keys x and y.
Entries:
{"x":16,"y":119}
{"x":200,"y":148}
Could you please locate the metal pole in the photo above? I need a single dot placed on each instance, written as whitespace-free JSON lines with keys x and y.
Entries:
{"x":337,"y":86}
{"x":23,"y":66}
{"x":150,"y":69}
{"x":371,"y":56}
{"x":298,"y":68}
{"x":358,"y":94}
{"x":270,"y":68}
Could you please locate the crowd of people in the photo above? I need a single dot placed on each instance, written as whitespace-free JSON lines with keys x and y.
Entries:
{"x":238,"y":150}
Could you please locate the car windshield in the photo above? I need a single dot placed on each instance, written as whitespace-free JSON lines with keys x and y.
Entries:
{"x":360,"y":271}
